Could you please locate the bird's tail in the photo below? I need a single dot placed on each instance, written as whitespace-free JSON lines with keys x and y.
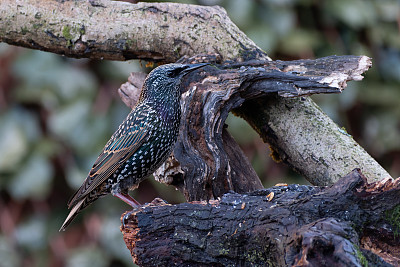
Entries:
{"x":80,"y":205}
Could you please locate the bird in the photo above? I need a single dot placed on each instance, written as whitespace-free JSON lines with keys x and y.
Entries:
{"x":142,"y":142}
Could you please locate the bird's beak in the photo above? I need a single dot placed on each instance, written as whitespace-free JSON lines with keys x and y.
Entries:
{"x":192,"y":67}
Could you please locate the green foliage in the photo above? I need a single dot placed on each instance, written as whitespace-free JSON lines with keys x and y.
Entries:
{"x":393,"y":216}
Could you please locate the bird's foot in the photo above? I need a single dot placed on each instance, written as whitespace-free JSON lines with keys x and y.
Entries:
{"x":128,"y":199}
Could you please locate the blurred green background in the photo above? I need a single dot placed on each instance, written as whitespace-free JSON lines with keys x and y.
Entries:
{"x":56,"y":114}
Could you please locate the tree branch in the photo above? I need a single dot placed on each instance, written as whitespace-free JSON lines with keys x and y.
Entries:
{"x":113,"y":30}
{"x":301,"y":134}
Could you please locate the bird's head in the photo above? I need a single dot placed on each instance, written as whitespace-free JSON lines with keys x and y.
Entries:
{"x":164,"y":81}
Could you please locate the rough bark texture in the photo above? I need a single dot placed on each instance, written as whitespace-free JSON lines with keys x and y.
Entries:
{"x":207,"y":171}
{"x":351,"y":223}
{"x":121,"y":31}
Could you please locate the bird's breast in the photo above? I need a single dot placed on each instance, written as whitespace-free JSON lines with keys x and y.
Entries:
{"x":168,"y":113}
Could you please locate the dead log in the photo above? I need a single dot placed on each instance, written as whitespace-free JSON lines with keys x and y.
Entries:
{"x":351,"y":223}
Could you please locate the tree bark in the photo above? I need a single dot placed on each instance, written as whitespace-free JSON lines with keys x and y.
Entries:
{"x":351,"y":223}
{"x":314,"y":146}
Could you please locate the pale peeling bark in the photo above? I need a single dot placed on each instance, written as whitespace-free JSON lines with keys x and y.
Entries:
{"x":121,"y":31}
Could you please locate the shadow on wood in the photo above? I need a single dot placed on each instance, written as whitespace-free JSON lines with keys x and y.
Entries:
{"x":348,"y":224}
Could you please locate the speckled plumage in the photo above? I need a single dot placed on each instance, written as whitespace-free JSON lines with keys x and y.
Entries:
{"x":141,"y":143}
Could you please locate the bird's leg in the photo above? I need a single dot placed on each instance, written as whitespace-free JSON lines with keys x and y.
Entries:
{"x":127,"y":199}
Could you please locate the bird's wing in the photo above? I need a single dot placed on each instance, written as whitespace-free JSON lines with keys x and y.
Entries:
{"x":113,"y":156}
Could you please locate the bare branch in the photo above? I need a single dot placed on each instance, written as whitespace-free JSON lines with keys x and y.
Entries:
{"x":120,"y":31}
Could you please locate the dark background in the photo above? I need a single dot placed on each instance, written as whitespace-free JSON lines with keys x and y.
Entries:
{"x":56,"y":114}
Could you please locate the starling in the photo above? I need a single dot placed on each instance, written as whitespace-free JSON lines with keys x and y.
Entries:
{"x":141,"y":143}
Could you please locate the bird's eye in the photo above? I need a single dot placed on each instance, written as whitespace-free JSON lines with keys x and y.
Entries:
{"x":175,"y":72}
